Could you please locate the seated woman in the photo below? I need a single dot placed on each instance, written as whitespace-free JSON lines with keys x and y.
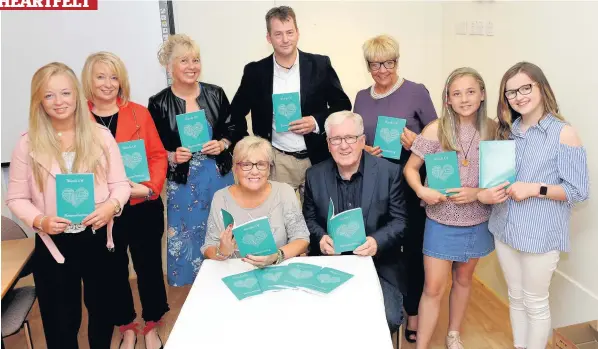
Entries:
{"x":254,"y":196}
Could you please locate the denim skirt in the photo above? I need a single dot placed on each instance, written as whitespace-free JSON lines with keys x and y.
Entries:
{"x":457,"y":244}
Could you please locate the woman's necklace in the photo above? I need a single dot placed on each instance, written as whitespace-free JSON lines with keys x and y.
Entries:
{"x":465,"y":161}
{"x":376,"y":95}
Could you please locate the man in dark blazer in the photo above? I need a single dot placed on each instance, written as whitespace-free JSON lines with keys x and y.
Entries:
{"x":289,"y":70}
{"x":354,"y":178}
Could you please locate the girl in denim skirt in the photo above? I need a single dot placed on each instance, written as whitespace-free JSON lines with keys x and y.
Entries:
{"x":456,"y":233}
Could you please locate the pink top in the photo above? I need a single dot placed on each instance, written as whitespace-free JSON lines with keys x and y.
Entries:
{"x":26,"y":201}
{"x":447,"y":212}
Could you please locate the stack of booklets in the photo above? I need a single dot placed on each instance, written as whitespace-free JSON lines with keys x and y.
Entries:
{"x":301,"y":276}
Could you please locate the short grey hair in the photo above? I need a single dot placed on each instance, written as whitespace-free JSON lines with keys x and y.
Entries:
{"x":340,"y":116}
{"x":248,"y":145}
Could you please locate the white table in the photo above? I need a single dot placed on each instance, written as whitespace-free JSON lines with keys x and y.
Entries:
{"x":352,"y":316}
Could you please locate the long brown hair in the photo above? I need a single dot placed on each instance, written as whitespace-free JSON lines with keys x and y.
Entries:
{"x":43,"y":141}
{"x":448,"y":124}
{"x":506,"y":114}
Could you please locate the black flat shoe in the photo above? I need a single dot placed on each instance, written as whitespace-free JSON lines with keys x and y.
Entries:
{"x":408,"y":334}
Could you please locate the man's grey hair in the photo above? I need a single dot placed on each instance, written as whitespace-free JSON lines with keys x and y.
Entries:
{"x":340,"y":116}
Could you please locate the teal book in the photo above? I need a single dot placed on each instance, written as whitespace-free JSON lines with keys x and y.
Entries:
{"x":227,"y":218}
{"x":388,"y":136}
{"x":135,"y":160}
{"x":443,"y":171}
{"x":497,"y":163}
{"x":327,"y":280}
{"x":346,"y":229}
{"x":299,"y":275}
{"x":75,"y":196}
{"x":271,"y":277}
{"x":287,"y":108}
{"x":193,"y":130}
{"x":243,"y":285}
{"x":255,"y":238}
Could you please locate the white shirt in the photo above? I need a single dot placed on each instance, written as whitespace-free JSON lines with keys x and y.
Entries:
{"x":287,"y":81}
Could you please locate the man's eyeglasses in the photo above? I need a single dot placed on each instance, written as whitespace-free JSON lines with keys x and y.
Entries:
{"x":377,"y":65}
{"x":523,"y":90}
{"x":348,"y":139}
{"x":248,"y":166}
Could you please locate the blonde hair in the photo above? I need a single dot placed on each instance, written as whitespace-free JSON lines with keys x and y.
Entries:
{"x":87,"y":145}
{"x":250,"y":144}
{"x":176,"y":46}
{"x":339,"y":117}
{"x":118,"y":68}
{"x":506,"y":114}
{"x":380,"y":48}
{"x":448,"y":124}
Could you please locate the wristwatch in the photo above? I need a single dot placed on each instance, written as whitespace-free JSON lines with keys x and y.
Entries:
{"x":117,"y":207}
{"x":543,"y":190}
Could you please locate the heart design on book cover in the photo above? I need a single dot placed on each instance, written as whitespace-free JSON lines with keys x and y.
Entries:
{"x":247,"y":283}
{"x":442,"y":172}
{"x":287,"y":110}
{"x":300,"y":274}
{"x":389,"y":135}
{"x":193,"y":130}
{"x":255,"y":239}
{"x":75,"y":197}
{"x":132,"y":160}
{"x":348,"y":230}
{"x":328,"y":279}
{"x":273,"y":276}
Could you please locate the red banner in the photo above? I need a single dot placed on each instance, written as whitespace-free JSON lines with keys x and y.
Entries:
{"x":48,"y":5}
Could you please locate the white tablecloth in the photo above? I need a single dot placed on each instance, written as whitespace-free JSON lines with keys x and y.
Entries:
{"x":352,"y":316}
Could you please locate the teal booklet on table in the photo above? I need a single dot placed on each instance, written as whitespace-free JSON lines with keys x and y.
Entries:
{"x":255,"y":238}
{"x":327,"y":280}
{"x":243,"y":285}
{"x":271,"y":277}
{"x":193,"y":130}
{"x":443,"y":171}
{"x":75,"y":196}
{"x":346,"y":229}
{"x":299,"y":274}
{"x":287,"y":108}
{"x":135,"y":160}
{"x":388,"y":136}
{"x":497,"y":163}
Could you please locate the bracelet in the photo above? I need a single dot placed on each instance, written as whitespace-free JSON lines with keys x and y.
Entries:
{"x":220,"y":255}
{"x":41,"y":223}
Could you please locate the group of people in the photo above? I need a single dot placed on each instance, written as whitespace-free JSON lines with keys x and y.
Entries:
{"x":415,"y":234}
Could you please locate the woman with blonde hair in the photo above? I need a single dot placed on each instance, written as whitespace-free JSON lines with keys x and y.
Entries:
{"x":530,"y":219}
{"x":456,"y":232}
{"x":193,"y":178}
{"x":62,"y":138}
{"x":255,"y":196}
{"x":141,"y":226}
{"x":394,"y":96}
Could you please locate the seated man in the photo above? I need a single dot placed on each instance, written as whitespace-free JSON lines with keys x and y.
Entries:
{"x":354,"y":178}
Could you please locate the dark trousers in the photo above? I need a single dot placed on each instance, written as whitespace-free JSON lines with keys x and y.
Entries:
{"x":393,"y":305}
{"x":58,"y":288}
{"x":139,"y":229}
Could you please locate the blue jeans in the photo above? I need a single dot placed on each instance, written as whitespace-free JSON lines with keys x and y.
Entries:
{"x":393,"y":305}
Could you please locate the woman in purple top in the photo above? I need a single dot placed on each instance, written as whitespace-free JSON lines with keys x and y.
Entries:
{"x":394,"y":96}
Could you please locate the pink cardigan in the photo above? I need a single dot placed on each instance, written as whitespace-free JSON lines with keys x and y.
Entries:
{"x":26,"y":201}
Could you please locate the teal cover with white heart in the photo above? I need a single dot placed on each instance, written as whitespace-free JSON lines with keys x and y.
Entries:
{"x":193,"y":130}
{"x":74,"y":196}
{"x":497,"y":163}
{"x":346,"y":229}
{"x":270,"y":278}
{"x":443,"y":171}
{"x":243,"y":285}
{"x":287,"y":108}
{"x":255,"y":238}
{"x":299,"y":275}
{"x":388,"y":136}
{"x":135,"y":160}
{"x":327,"y":280}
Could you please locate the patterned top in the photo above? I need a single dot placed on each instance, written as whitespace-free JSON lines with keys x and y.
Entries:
{"x":540,"y":225}
{"x":449,"y":213}
{"x":281,"y":207}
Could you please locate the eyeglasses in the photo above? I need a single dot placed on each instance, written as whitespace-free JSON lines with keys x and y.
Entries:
{"x":348,"y":139}
{"x":374,"y":66}
{"x":523,"y":90}
{"x":248,"y":166}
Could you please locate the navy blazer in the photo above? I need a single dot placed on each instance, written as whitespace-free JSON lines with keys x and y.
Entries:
{"x":382,"y":203}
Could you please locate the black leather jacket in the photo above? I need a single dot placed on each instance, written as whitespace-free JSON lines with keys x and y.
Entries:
{"x":165,"y":106}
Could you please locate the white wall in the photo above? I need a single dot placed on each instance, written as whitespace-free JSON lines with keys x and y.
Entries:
{"x":229,"y":38}
{"x":560,"y":37}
